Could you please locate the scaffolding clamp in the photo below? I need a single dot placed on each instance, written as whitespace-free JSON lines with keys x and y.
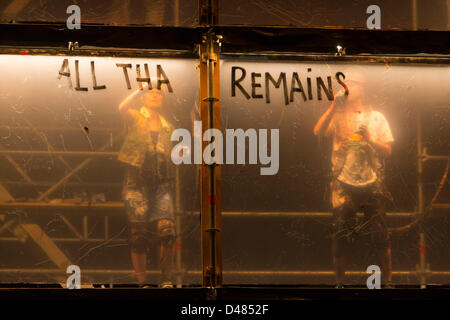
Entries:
{"x":340,"y":51}
{"x":210,"y":99}
{"x":212,"y":274}
{"x":212,"y":230}
{"x":210,"y":55}
{"x":71,"y":46}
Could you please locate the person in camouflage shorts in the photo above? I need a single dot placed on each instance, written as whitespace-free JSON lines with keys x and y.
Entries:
{"x":149,"y":174}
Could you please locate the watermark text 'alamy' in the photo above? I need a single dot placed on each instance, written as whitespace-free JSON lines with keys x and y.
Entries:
{"x":258,"y":146}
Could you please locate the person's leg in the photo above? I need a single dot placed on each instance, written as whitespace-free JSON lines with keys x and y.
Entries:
{"x":384,"y":249}
{"x":341,"y":240}
{"x":162,"y":214}
{"x":380,"y":237}
{"x":342,"y":229}
{"x":166,"y":231}
{"x":136,"y":208}
{"x":138,"y":244}
{"x":386,"y":265}
{"x":338,"y":260}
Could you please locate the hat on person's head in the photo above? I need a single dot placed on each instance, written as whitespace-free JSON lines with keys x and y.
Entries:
{"x":153,"y":91}
{"x":355,"y":76}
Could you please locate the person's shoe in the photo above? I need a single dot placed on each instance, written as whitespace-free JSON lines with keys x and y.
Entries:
{"x":389,"y":285}
{"x":144,"y":286}
{"x":339,"y":286}
{"x":166,"y":285}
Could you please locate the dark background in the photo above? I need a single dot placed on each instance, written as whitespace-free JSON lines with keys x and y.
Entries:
{"x":395,"y":14}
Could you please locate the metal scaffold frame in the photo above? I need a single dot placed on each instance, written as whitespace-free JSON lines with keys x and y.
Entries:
{"x":22,"y":231}
{"x":209,"y":54}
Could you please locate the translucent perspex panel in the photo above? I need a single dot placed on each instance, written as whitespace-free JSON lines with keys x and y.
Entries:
{"x":86,"y":174}
{"x":383,"y":14}
{"x":286,"y":203}
{"x":112,"y":12}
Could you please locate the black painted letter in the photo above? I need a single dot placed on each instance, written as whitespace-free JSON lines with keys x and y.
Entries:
{"x":328,"y":92}
{"x":294,"y":89}
{"x":281,"y":78}
{"x":65,"y":71}
{"x":77,"y":72}
{"x":338,"y":75}
{"x":160,"y":72}
{"x":125,"y":72}
{"x":94,"y":78}
{"x":256,"y":85}
{"x":235,"y":83}
{"x":146,"y":79}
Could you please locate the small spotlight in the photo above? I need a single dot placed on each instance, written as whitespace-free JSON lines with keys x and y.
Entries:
{"x":340,"y":51}
{"x":71,"y":46}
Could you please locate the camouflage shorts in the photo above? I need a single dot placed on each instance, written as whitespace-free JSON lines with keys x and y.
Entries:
{"x":343,"y":194}
{"x":350,"y":200}
{"x":145,"y":200}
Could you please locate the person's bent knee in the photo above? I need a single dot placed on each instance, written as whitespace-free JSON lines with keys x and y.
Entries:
{"x":138,"y":243}
{"x":138,"y":238}
{"x":167,"y":233}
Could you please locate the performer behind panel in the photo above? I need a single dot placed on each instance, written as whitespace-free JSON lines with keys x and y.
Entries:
{"x":149,"y":174}
{"x":361,"y":142}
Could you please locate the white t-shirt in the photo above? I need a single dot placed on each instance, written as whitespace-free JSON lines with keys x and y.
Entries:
{"x":361,"y":160}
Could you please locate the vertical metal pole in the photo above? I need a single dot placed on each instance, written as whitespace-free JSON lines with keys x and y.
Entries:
{"x":178,"y":265}
{"x":85,"y":227}
{"x":176,"y":12}
{"x":422,"y":261}
{"x":106,"y":228}
{"x":422,"y":268}
{"x":448,"y":14}
{"x":414,"y":15}
{"x":212,"y":192}
{"x":419,"y":164}
{"x":210,"y":174}
{"x":208,"y":12}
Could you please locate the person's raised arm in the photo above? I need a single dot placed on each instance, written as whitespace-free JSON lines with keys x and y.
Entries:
{"x":123,"y":106}
{"x":324,"y":121}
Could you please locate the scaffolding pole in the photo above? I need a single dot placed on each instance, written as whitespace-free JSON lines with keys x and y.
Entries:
{"x":210,"y":174}
{"x":422,"y":266}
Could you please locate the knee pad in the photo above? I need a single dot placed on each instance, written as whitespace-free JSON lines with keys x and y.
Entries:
{"x":164,"y":204}
{"x":138,"y":242}
{"x":167,"y":235}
